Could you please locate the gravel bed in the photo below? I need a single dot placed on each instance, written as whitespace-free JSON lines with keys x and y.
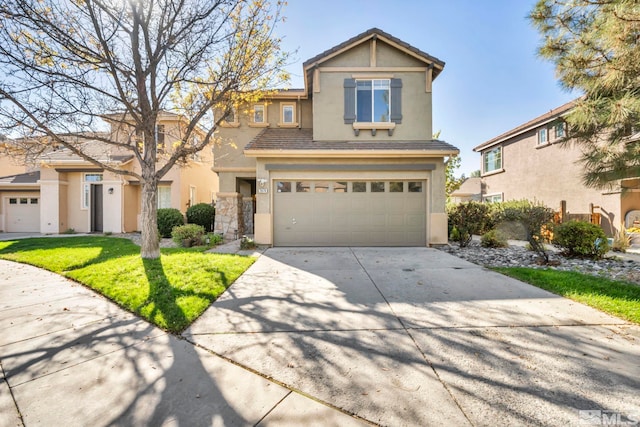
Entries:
{"x":516,"y":256}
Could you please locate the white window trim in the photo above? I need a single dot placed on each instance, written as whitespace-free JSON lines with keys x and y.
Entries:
{"x":487,"y":196}
{"x":540,"y":132}
{"x":265,"y":122}
{"x":373,"y":125}
{"x":294,"y":122}
{"x":86,"y":189}
{"x":494,"y":171}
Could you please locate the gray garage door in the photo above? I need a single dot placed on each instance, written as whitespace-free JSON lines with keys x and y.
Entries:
{"x":350,"y":213}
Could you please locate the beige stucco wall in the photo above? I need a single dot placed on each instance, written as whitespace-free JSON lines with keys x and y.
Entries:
{"x":328,"y":107}
{"x":549,"y":174}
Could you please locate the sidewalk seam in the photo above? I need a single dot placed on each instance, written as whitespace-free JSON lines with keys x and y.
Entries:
{"x":404,"y":327}
{"x":13,"y":398}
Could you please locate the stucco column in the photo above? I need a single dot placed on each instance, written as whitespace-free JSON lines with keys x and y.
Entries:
{"x":229,"y":221}
{"x":53,"y":217}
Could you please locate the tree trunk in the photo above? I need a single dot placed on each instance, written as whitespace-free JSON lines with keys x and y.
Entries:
{"x":150,"y":246}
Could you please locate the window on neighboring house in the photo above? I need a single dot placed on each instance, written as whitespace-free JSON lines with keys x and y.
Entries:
{"x":543,"y":136}
{"x":558,"y":130}
{"x":192,"y":195}
{"x":492,"y":198}
{"x":164,"y":196}
{"x":258,"y":113}
{"x":492,"y":159}
{"x":231,"y":116}
{"x":196,"y":141}
{"x":86,"y":187}
{"x":288,"y":114}
{"x":160,"y":147}
{"x":373,"y":101}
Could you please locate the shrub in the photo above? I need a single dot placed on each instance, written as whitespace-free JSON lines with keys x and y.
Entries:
{"x":215,"y":239}
{"x":493,"y":239}
{"x":536,"y":220}
{"x":167,"y":219}
{"x":202,"y":214}
{"x":188,"y":235}
{"x":468,"y":218}
{"x":577,"y":238}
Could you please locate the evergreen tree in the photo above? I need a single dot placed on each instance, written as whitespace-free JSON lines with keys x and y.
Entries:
{"x":595,"y":45}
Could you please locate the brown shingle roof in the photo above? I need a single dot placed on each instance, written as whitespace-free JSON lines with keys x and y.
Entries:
{"x":368,"y":34}
{"x":555,"y":113}
{"x":302,"y":139}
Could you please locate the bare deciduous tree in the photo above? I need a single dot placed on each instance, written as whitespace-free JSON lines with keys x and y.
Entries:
{"x":68,"y":64}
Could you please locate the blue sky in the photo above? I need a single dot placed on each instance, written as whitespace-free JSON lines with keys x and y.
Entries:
{"x":493,"y":79}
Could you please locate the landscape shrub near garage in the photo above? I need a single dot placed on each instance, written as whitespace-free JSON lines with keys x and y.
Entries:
{"x":467,"y":219}
{"x":578,"y":238}
{"x":167,"y":219}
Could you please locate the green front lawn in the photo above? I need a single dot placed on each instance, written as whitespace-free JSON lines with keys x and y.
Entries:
{"x":170,"y":292}
{"x":614,"y":297}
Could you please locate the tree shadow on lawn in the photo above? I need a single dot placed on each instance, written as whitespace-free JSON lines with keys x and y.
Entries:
{"x":167,"y":301}
{"x":73,"y":252}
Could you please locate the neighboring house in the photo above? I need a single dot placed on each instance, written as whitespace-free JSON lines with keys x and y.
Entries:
{"x":346,"y":161}
{"x":67,"y":192}
{"x":470,"y":190}
{"x":528,"y":162}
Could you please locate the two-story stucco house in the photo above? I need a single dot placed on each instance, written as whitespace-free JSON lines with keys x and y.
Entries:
{"x":528,"y":162}
{"x":67,"y":192}
{"x":347,"y":161}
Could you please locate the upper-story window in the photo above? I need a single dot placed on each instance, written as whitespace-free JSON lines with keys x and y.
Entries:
{"x":543,"y":136}
{"x":492,"y":160}
{"x":373,"y":101}
{"x":160,"y":139}
{"x":287,"y":114}
{"x":258,"y":113}
{"x":558,"y":130}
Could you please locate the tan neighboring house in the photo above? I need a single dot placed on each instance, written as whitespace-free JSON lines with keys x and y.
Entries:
{"x":67,"y":192}
{"x":346,"y":161}
{"x":528,"y":162}
{"x":470,"y":191}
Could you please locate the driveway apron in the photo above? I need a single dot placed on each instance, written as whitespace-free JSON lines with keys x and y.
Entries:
{"x":415,"y":336}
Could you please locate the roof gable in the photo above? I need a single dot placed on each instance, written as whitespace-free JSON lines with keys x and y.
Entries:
{"x":375,"y":33}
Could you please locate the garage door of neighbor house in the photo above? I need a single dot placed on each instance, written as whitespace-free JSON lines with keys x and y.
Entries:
{"x":22,"y":214}
{"x":350,"y":213}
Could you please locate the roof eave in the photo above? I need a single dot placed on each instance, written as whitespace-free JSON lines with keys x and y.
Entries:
{"x":359,"y":153}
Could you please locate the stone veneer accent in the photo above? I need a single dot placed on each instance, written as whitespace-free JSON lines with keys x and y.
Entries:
{"x":229,"y":220}
{"x":247,"y":213}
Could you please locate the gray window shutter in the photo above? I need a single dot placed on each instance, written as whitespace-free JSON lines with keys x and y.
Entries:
{"x":349,"y":101}
{"x":396,"y":100}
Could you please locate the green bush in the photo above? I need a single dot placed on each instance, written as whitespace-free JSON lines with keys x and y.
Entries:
{"x":188,"y":235}
{"x":468,"y":219}
{"x":215,"y":239}
{"x":493,"y":239}
{"x":583,"y":239}
{"x":167,"y":219}
{"x":202,"y":214}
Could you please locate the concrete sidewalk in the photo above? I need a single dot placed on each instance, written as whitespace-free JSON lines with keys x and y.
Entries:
{"x":70,"y":357}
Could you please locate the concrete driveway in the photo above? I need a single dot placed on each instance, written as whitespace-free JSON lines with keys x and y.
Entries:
{"x":414,"y":336}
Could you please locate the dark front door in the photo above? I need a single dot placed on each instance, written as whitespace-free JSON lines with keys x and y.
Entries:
{"x":96,"y":207}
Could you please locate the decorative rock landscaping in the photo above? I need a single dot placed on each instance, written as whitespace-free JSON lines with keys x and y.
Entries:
{"x":615,"y":268}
